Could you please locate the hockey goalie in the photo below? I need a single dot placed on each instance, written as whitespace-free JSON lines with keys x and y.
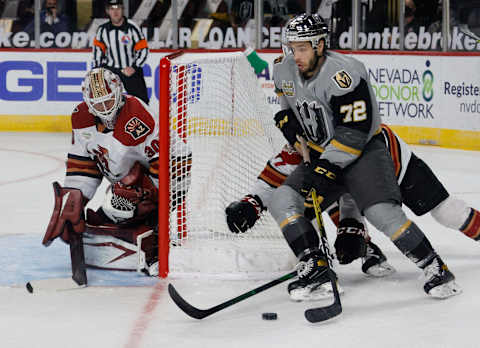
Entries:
{"x":114,"y":136}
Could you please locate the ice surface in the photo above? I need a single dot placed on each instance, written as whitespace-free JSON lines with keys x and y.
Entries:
{"x":129,"y":310}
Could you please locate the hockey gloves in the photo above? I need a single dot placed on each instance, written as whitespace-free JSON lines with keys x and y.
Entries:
{"x":322,"y":175}
{"x":350,"y":243}
{"x":287,"y":122}
{"x":242,"y":215}
{"x":68,"y":215}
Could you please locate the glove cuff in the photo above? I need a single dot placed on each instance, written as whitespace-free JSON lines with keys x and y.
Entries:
{"x":256,"y":202}
{"x":351,"y":226}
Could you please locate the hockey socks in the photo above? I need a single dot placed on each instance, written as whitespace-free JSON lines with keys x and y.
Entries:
{"x":412,"y":243}
{"x":300,"y":234}
{"x":471,"y":227}
{"x":440,"y":282}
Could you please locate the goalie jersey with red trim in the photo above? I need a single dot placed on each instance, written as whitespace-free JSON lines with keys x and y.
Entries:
{"x":98,"y":152}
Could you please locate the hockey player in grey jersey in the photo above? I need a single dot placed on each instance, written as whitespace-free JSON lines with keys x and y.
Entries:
{"x":330,"y":95}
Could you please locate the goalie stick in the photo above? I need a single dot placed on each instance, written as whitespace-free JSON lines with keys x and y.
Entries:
{"x":79,"y":273}
{"x":466,"y":31}
{"x":315,"y":315}
{"x":202,"y":313}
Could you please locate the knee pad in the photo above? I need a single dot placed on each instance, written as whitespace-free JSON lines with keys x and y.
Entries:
{"x":452,"y":213}
{"x":386,"y":217}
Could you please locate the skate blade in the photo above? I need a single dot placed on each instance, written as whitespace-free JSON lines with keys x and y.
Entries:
{"x":381,"y":270}
{"x":445,"y":290}
{"x":323,"y":292}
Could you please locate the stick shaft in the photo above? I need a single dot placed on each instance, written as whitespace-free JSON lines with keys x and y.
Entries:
{"x":319,"y":314}
{"x":202,"y":313}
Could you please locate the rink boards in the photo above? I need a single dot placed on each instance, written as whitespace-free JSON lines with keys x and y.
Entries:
{"x":428,"y":99}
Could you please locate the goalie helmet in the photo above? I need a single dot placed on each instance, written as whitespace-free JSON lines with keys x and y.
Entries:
{"x":102,"y":91}
{"x":306,"y":27}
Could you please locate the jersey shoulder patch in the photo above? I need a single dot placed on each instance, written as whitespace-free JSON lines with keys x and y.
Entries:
{"x":81,"y":117}
{"x":279,"y":59}
{"x":134,"y":123}
{"x":136,"y":128}
{"x":342,"y":79}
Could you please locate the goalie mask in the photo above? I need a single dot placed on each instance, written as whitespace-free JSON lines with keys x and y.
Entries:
{"x":102,"y":91}
{"x":305,"y":27}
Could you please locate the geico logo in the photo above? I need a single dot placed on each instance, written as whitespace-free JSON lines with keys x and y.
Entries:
{"x":23,"y":80}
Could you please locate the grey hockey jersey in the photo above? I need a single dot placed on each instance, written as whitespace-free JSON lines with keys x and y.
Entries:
{"x":336,"y":107}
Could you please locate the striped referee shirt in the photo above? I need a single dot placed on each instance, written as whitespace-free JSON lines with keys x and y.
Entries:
{"x":120,"y":47}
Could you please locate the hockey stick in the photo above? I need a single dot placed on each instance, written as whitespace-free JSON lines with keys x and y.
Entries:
{"x":79,"y":273}
{"x":318,"y":314}
{"x":202,"y":313}
{"x":466,"y":31}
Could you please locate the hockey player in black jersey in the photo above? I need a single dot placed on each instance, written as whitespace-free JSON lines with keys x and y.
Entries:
{"x":331,"y":97}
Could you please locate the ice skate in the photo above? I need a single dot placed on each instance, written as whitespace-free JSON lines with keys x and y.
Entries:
{"x":375,"y":262}
{"x":313,"y":282}
{"x":440,"y":281}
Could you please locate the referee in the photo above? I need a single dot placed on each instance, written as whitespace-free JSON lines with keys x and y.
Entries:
{"x":120,"y":46}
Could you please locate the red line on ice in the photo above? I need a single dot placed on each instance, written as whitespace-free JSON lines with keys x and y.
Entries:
{"x":143,"y":321}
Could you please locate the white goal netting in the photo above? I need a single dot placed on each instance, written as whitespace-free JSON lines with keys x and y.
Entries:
{"x":222,"y":134}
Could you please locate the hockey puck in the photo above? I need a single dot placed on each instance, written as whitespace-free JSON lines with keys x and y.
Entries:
{"x":269,"y":316}
{"x":29,"y":287}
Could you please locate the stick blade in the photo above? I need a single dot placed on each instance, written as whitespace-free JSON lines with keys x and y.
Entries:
{"x":315,"y":315}
{"x":77,"y":257}
{"x":52,"y":285}
{"x":185,"y":306}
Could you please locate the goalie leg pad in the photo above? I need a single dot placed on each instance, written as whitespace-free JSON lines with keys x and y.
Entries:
{"x":122,"y":248}
{"x":68,"y":209}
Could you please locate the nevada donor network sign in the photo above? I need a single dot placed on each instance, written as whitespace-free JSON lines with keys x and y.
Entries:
{"x":403,"y":92}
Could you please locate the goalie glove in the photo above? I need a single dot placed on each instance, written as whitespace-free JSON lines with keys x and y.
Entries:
{"x":68,"y":214}
{"x":242,"y":215}
{"x":135,"y":196}
{"x":350,"y":243}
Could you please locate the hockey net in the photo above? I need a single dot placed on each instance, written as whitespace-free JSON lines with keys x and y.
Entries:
{"x":221,"y":133}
